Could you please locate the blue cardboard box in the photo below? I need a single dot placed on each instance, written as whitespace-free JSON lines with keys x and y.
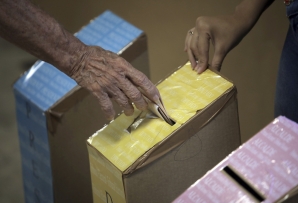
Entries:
{"x":55,"y":116}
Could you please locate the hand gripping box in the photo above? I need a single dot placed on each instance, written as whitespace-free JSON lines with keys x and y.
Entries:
{"x":264,"y":169}
{"x":142,"y":158}
{"x":55,"y":116}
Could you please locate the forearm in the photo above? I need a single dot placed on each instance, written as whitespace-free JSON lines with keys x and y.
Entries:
{"x":105,"y":74}
{"x":249,"y":11}
{"x":30,"y":28}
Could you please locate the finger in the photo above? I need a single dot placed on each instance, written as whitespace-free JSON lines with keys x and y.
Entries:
{"x":126,"y":84}
{"x":105,"y":102}
{"x":202,"y":53}
{"x":133,"y":94}
{"x":191,"y":58}
{"x":141,"y":81}
{"x":189,"y":51}
{"x":112,"y":84}
{"x":187,"y":39}
{"x":217,"y":59}
{"x":121,"y":100}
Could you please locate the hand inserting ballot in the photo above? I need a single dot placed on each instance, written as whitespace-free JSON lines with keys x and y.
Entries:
{"x":105,"y":74}
{"x":109,"y":76}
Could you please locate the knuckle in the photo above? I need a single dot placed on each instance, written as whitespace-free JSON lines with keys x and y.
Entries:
{"x":96,"y":90}
{"x":135,"y":96}
{"x":216,"y":65}
{"x":142,"y":78}
{"x":119,"y":60}
{"x":201,"y":23}
{"x":106,"y":107}
{"x":106,"y":104}
{"x":127,"y":107}
{"x":124,"y":103}
{"x":202,"y":61}
{"x":123,"y":62}
{"x":203,"y":55}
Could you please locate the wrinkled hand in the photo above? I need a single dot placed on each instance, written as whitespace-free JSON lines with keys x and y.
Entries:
{"x":109,"y":76}
{"x":224,"y":32}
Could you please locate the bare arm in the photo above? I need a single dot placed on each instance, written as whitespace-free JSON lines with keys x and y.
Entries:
{"x":224,"y":32}
{"x":102,"y":72}
{"x":30,"y":28}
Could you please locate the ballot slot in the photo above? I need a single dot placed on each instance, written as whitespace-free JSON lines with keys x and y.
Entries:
{"x":160,"y":112}
{"x":169,"y":120}
{"x":249,"y":188}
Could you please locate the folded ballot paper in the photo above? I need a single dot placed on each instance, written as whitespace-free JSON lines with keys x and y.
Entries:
{"x":154,"y":155}
{"x":264,"y":169}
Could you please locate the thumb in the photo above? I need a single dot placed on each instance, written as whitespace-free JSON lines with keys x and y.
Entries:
{"x":217,"y":59}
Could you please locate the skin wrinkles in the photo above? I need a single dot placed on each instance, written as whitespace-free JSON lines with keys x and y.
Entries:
{"x":105,"y":74}
{"x":110,"y":75}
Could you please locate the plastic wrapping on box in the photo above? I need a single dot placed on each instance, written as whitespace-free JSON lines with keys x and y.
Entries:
{"x":183,"y":93}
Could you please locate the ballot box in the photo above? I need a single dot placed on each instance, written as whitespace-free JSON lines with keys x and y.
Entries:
{"x":142,"y":158}
{"x":263,"y":169}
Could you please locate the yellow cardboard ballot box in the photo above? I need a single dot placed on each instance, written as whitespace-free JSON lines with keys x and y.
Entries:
{"x":141,"y":158}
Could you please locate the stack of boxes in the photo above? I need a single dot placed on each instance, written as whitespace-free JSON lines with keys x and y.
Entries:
{"x":55,"y":116}
{"x":139,"y":158}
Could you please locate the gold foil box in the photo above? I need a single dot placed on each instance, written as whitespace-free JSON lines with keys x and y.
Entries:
{"x":131,"y":143}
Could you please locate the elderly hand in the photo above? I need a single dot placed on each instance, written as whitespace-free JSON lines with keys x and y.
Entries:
{"x":105,"y":74}
{"x":109,"y":76}
{"x":224,"y":32}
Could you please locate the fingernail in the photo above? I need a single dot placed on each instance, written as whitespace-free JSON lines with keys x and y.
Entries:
{"x":200,"y":69}
{"x":156,"y":99}
{"x":196,"y":68}
{"x":193,"y":66}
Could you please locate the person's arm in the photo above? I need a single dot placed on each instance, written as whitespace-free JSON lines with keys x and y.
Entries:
{"x":102,"y":72}
{"x":224,"y":32}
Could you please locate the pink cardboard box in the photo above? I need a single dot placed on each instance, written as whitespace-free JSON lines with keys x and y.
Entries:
{"x":264,"y":169}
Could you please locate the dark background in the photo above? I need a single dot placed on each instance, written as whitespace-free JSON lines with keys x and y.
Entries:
{"x":252,"y":65}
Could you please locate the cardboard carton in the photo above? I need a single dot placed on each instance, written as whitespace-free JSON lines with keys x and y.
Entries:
{"x":55,"y":116}
{"x":264,"y":169}
{"x":144,"y":159}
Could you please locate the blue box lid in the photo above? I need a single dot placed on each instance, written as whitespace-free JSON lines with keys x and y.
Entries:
{"x":44,"y":84}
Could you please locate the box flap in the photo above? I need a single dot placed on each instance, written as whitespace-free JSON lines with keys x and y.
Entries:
{"x":109,"y":31}
{"x":183,"y":93}
{"x":44,"y":85}
{"x":264,"y":169}
{"x":202,"y":118}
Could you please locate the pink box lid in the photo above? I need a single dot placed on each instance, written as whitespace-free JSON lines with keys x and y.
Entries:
{"x":267,"y":163}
